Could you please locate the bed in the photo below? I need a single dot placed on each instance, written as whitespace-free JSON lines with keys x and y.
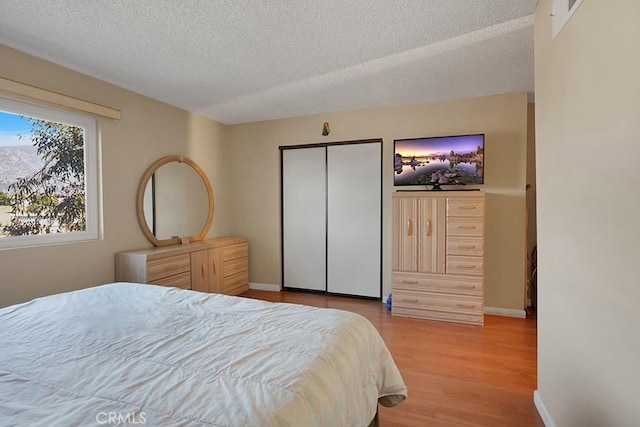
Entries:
{"x":142,"y":354}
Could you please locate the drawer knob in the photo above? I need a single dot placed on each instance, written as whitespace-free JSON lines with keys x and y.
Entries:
{"x":466,"y":208}
{"x":467,"y":227}
{"x":466,"y":246}
{"x":465,"y":305}
{"x":465,"y":286}
{"x":469,"y":267}
{"x":410,"y":282}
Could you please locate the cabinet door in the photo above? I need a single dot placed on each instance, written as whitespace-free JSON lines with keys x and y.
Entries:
{"x":431,"y":233}
{"x":304,"y":218}
{"x":405,"y":234}
{"x":354,"y":223}
{"x":201,"y":278}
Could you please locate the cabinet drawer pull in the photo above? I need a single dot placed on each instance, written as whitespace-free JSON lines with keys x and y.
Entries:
{"x":170,"y":267}
{"x":409,"y":300}
{"x":428,"y":228}
{"x":409,"y":228}
{"x":467,"y":207}
{"x":410,"y":282}
{"x":467,"y":266}
{"x":467,"y":227}
{"x":465,"y":286}
{"x":466,"y":246}
{"x":465,"y":305}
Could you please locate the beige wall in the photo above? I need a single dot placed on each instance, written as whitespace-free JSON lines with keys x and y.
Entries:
{"x":532,"y":238}
{"x":587,"y":151}
{"x":148,"y":130}
{"x":254,"y":178}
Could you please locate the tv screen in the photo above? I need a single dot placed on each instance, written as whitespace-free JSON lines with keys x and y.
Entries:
{"x":443,"y":160}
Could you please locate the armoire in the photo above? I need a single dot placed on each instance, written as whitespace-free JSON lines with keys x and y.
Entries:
{"x":331,"y":212}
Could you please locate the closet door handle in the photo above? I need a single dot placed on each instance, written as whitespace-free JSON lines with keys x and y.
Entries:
{"x":428,"y":227}
{"x":409,"y":228}
{"x":203,"y":275}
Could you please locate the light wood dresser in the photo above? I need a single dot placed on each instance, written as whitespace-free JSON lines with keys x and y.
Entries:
{"x":219,"y":265}
{"x":438,"y":255}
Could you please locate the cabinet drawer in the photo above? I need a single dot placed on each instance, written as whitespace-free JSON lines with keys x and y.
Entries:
{"x":465,"y":265}
{"x":424,"y":301}
{"x":236,"y":284}
{"x":471,"y":319}
{"x":234,"y":252}
{"x":467,"y":207}
{"x":235,"y":266}
{"x":465,"y":227}
{"x":181,"y":280}
{"x":466,"y":246}
{"x":449,"y":284}
{"x":161,"y":268}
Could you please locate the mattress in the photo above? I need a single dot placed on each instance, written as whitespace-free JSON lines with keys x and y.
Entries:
{"x":144,"y":354}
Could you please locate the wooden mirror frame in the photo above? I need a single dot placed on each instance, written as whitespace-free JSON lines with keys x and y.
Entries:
{"x":140,"y":202}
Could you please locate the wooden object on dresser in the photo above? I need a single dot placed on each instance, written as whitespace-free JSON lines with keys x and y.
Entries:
{"x":219,"y":265}
{"x":438,"y":255}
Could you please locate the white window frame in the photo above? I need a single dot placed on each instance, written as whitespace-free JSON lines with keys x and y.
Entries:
{"x":561,"y":14}
{"x":91,"y":167}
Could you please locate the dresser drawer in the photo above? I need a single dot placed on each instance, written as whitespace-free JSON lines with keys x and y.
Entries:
{"x":235,"y":266}
{"x":443,"y":303}
{"x":471,"y":319}
{"x":465,"y":246}
{"x":181,"y":280}
{"x":467,"y":207}
{"x":170,"y":266}
{"x":236,"y":284}
{"x":444,"y":284}
{"x":465,"y":227}
{"x":465,"y":265}
{"x":234,"y":252}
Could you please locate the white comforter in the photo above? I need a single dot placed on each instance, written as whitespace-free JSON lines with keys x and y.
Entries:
{"x":142,"y":354}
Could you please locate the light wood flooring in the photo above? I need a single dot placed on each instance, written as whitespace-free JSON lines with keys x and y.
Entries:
{"x":457,"y":375}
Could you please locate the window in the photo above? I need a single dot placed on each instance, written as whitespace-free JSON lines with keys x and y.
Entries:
{"x":48,"y":175}
{"x":562,"y":12}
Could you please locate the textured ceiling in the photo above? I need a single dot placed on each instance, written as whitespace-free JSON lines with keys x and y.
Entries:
{"x":249,"y":60}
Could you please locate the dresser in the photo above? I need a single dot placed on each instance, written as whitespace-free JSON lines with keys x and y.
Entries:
{"x":438,"y":255}
{"x":219,"y":265}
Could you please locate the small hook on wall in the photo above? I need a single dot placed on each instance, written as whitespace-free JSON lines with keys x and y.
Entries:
{"x":326,"y":129}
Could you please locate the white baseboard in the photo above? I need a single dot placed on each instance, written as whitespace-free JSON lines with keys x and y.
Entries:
{"x":542,"y":410}
{"x":508,"y":312}
{"x":272,"y":287}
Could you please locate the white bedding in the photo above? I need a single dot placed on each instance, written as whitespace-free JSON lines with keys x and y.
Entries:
{"x":143,"y":354}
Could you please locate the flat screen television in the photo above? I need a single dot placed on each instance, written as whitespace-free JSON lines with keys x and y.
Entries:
{"x":442,"y":160}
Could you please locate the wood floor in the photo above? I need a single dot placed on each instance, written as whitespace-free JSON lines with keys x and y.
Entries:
{"x":457,"y":375}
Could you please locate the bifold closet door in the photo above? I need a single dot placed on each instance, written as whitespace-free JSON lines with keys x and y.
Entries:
{"x":354,"y":219}
{"x":304,"y":218}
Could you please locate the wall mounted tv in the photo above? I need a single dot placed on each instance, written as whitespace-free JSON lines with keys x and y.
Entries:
{"x":442,"y":160}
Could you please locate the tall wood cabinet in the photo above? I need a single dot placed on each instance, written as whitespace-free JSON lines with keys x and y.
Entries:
{"x":438,"y":255}
{"x":219,"y":265}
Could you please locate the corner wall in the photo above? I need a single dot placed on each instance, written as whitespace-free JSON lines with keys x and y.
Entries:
{"x":148,"y":130}
{"x":587,"y":151}
{"x":254,"y":178}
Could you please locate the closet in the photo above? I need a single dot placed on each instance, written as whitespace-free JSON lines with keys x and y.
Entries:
{"x":332,"y":217}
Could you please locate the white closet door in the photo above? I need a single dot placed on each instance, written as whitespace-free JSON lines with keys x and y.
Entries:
{"x":354,"y":219}
{"x":304,"y":218}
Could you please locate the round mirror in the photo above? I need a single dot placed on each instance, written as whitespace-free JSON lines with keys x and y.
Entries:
{"x":175,"y":202}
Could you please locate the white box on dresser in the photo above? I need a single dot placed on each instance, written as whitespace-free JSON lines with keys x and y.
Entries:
{"x":438,"y":255}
